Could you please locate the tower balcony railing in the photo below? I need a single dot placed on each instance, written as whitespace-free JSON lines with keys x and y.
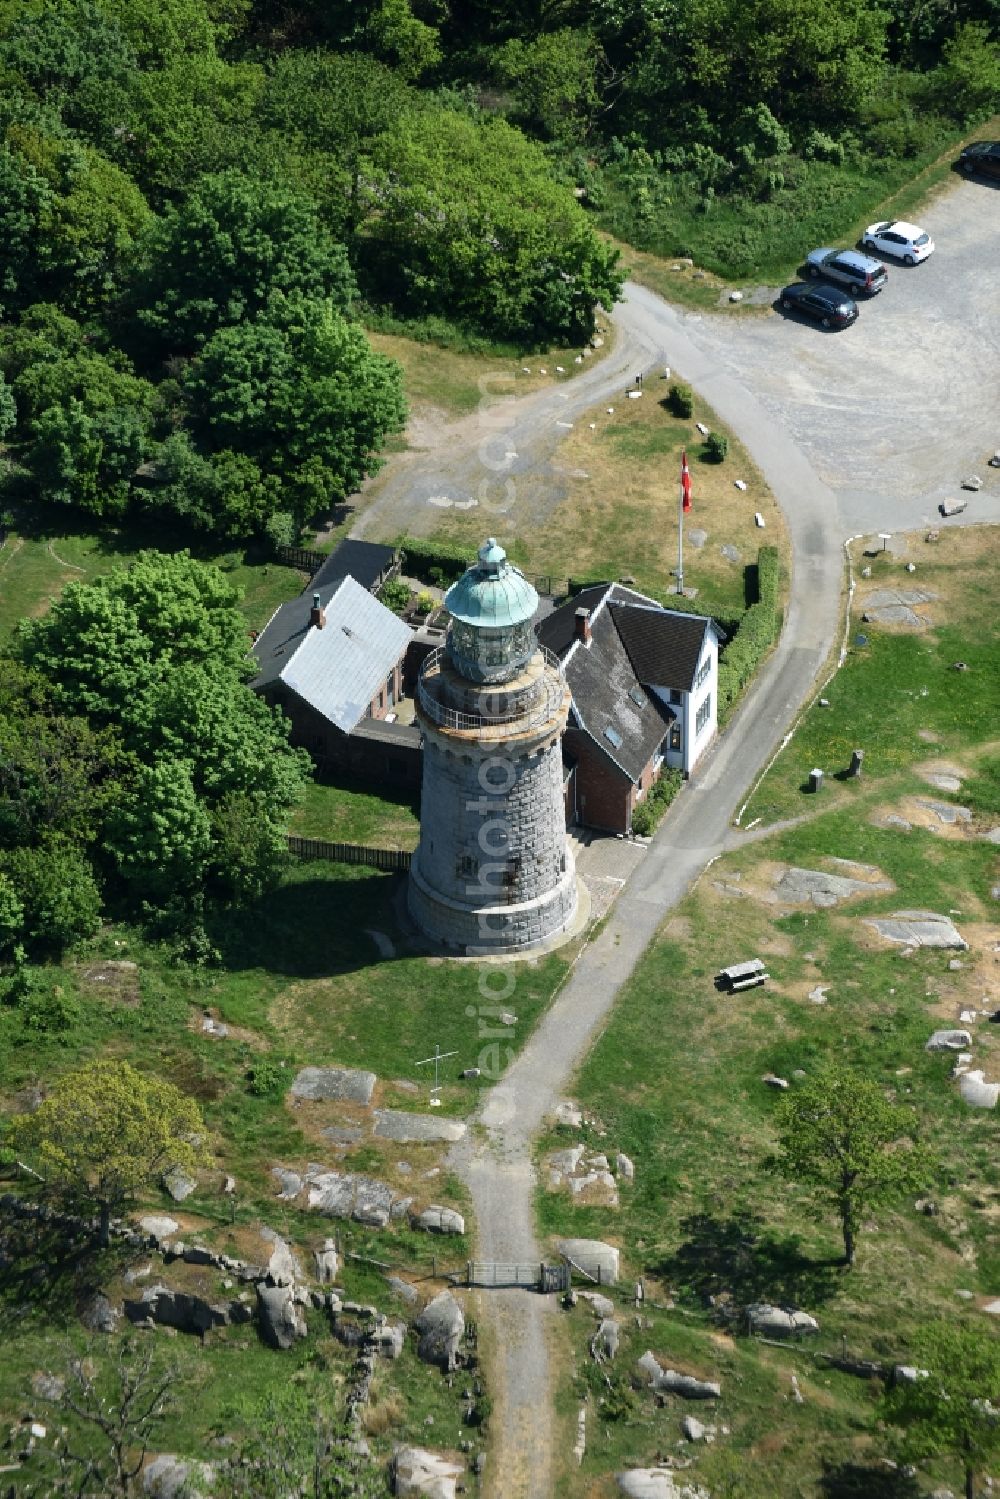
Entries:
{"x":493,"y":726}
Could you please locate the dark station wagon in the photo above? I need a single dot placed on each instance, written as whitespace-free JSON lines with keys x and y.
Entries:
{"x":982,"y":157}
{"x":824,"y":303}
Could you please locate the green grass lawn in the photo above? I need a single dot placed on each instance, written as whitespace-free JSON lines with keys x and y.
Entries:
{"x":897,"y":696}
{"x":676,"y":1082}
{"x":348,"y":812}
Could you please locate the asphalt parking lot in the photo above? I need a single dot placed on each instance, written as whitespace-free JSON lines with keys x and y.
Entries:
{"x":905,"y":403}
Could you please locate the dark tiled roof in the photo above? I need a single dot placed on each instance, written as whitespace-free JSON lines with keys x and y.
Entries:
{"x":636,"y":644}
{"x":600,"y":680}
{"x":664,"y":647}
{"x":365,"y":561}
{"x":558,"y":630}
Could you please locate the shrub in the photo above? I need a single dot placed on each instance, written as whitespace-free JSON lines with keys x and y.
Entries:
{"x":680,"y":399}
{"x":395,"y":595}
{"x":56,"y":889}
{"x":648,"y":813}
{"x":821,"y":147}
{"x":265,"y":1079}
{"x":434,"y":561}
{"x":425,"y":603}
{"x":754,"y":635}
{"x":48,"y":1012}
{"x":716,"y":446}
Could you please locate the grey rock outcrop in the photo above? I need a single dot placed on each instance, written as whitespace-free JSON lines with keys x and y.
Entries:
{"x":439,"y":1220}
{"x":657,"y":1483}
{"x":158,"y":1226}
{"x":919,"y":929}
{"x":408,"y":1129}
{"x":949,"y":1041}
{"x":823,"y":889}
{"x":601,"y":1306}
{"x":339,"y":1084}
{"x":441,"y":1326}
{"x":593,"y":1257}
{"x":281,"y":1317}
{"x":674,"y":1383}
{"x":424,"y":1475}
{"x":326,"y":1263}
{"x":170,"y":1477}
{"x":179,"y":1184}
{"x":282,"y":1269}
{"x":98,"y":1314}
{"x":186,"y":1313}
{"x":604,"y":1343}
{"x":346,"y":1194}
{"x":779,"y":1321}
{"x":977,"y":1092}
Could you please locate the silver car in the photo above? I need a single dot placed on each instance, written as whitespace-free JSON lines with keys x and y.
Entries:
{"x":859,"y":273}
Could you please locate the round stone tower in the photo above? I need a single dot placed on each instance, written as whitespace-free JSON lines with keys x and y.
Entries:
{"x":493,"y":872}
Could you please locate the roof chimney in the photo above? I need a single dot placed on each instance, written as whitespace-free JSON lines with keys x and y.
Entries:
{"x":582,"y":626}
{"x":317,"y":614}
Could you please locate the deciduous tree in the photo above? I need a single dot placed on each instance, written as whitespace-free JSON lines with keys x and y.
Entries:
{"x":840,"y":1133}
{"x":106,"y":1132}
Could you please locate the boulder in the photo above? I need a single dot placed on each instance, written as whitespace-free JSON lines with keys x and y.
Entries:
{"x":403,"y":1289}
{"x":326,"y":1263}
{"x":977,"y":1092}
{"x":389,"y":1338}
{"x":415,"y":1471}
{"x":178,"y":1309}
{"x":567,"y":1112}
{"x":179,"y":1184}
{"x":438,"y":1220}
{"x":98,"y":1314}
{"x":562,"y":1163}
{"x":674,"y":1383}
{"x":693,"y":1429}
{"x":158,"y":1226}
{"x":170,"y":1477}
{"x":625,"y":1166}
{"x":593,"y":1258}
{"x":407,"y":1129}
{"x":606,"y":1338}
{"x":289,"y":1182}
{"x":344,"y":1194}
{"x":281,"y":1318}
{"x":949,"y":1041}
{"x":441,"y":1327}
{"x":601,"y":1182}
{"x":282,"y":1268}
{"x":340,"y":1084}
{"x":658,"y":1483}
{"x":601,"y":1306}
{"x":779,"y":1321}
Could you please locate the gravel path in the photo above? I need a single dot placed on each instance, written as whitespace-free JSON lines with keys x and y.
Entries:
{"x":855,"y":433}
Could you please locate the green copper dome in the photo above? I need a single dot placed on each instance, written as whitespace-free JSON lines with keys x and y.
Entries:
{"x":493,"y":594}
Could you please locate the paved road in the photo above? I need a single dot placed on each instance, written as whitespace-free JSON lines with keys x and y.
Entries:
{"x":855,"y":432}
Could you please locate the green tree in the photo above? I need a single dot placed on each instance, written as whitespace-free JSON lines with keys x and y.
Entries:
{"x":224,"y":493}
{"x":11,"y":917}
{"x":399,"y":37}
{"x":950,"y":1409}
{"x":470,"y":224}
{"x":554,"y":79}
{"x":8,"y":409}
{"x":88,"y":460}
{"x":969,"y":77}
{"x":840,"y":1133}
{"x":107,"y":1132}
{"x":306,"y":397}
{"x":220,"y":256}
{"x":56,"y":889}
{"x":160,"y":835}
{"x":103,"y":644}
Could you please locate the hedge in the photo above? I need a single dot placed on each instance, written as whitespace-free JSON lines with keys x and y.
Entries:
{"x":420,"y":556}
{"x":755,"y":634}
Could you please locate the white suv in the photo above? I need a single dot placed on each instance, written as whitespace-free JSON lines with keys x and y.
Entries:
{"x":906,"y":242}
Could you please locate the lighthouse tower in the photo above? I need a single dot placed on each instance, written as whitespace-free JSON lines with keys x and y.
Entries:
{"x":493,"y":872}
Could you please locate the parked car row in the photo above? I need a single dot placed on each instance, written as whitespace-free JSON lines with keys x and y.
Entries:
{"x":861,"y":274}
{"x":982,"y":157}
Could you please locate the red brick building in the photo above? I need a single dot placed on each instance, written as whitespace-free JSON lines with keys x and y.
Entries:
{"x":643,"y":680}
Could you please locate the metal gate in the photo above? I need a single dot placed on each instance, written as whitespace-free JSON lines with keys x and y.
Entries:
{"x":534,"y":1276}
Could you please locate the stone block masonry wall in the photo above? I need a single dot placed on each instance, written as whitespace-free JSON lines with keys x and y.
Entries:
{"x":482,"y":846}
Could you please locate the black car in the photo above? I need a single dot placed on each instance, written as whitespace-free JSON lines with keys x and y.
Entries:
{"x":981,"y":156}
{"x":825,"y":303}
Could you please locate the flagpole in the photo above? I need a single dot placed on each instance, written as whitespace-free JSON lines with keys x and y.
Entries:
{"x":680,"y":539}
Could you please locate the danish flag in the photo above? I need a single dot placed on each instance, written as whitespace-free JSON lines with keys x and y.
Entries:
{"x":685,"y":482}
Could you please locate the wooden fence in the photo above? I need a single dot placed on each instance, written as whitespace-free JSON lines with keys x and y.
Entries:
{"x":310,"y":562}
{"x":395,"y":860}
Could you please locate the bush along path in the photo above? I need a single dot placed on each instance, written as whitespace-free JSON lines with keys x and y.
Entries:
{"x":496,"y":1161}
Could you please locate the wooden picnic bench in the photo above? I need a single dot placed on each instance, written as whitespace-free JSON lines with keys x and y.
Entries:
{"x":739,"y":976}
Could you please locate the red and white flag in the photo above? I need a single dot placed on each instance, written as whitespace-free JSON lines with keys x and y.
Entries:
{"x":685,"y":482}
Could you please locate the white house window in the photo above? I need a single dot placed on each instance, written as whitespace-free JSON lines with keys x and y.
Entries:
{"x":704,"y":672}
{"x":674,"y":741}
{"x":703,"y":715}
